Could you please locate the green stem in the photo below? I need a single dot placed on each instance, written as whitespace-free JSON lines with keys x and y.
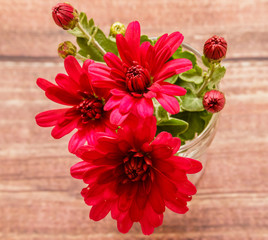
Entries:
{"x":78,"y":56}
{"x":91,"y":39}
{"x":206,"y":80}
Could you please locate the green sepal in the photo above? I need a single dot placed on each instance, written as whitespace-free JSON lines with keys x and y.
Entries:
{"x":173,"y":125}
{"x":205,"y":61}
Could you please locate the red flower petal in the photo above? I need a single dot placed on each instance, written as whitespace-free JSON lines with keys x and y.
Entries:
{"x":117,"y":118}
{"x":112,"y":102}
{"x":177,"y":206}
{"x":174,"y":40}
{"x":135,"y":212}
{"x":44,"y":84}
{"x":132,"y":37}
{"x":113,"y":61}
{"x":73,"y":68}
{"x":172,"y":90}
{"x":64,"y":127}
{"x":78,"y":170}
{"x":196,"y":166}
{"x":100,"y":210}
{"x":156,"y":200}
{"x":76,"y":141}
{"x":60,"y":96}
{"x":173,"y":67}
{"x":186,"y":187}
{"x":50,"y":118}
{"x":124,"y":223}
{"x":145,"y":107}
{"x":152,"y":217}
{"x":169,"y":103}
{"x":127,"y":102}
{"x":124,"y":50}
{"x":67,"y":83}
{"x":161,"y":152}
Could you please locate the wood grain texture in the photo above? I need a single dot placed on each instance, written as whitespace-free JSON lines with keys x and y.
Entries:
{"x":27,"y":28}
{"x":39,"y":200}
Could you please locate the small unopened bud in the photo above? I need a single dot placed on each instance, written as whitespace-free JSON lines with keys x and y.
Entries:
{"x":215,"y":48}
{"x":117,"y":28}
{"x":214,"y":101}
{"x":66,"y":48}
{"x":65,"y":15}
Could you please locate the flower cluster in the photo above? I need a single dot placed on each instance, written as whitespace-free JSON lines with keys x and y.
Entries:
{"x":124,"y":104}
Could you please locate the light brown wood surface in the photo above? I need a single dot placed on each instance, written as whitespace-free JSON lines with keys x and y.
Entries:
{"x":39,"y":200}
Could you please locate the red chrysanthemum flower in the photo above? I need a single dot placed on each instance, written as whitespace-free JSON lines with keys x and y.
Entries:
{"x":134,"y":176}
{"x":213,"y":101}
{"x":215,"y":48}
{"x":65,"y":15}
{"x":85,"y":103}
{"x":139,"y":75}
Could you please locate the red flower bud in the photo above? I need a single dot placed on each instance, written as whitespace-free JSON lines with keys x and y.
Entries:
{"x":214,"y":101}
{"x":66,"y":48}
{"x":65,"y":15}
{"x":215,"y":48}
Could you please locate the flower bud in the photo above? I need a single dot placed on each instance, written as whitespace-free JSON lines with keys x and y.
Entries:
{"x":117,"y":28}
{"x":215,"y":48}
{"x":65,"y":15}
{"x":66,"y":48}
{"x":214,"y":101}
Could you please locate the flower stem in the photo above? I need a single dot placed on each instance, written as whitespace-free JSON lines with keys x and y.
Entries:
{"x":206,"y":80}
{"x":78,"y":56}
{"x":91,"y":39}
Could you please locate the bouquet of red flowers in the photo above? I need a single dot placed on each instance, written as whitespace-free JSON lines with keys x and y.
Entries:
{"x":134,"y":101}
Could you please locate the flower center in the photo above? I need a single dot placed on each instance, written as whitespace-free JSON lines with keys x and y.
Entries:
{"x":90,"y":109}
{"x":137,"y":79}
{"x":137,"y":167}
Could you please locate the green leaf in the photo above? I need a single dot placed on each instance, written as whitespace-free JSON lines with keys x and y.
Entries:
{"x":193,"y":75}
{"x":76,"y":32}
{"x":173,"y":126}
{"x":192,"y":103}
{"x":89,"y":50}
{"x":107,"y":44}
{"x":161,"y":113}
{"x":177,"y":53}
{"x":185,"y":54}
{"x":145,"y":38}
{"x":197,"y":122}
{"x":85,"y":23}
{"x":172,"y":79}
{"x":217,"y":75}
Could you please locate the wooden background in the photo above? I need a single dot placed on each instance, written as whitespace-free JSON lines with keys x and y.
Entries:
{"x":38,"y":197}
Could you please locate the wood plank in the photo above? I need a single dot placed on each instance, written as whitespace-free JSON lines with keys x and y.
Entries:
{"x":28,"y":29}
{"x":40,"y":200}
